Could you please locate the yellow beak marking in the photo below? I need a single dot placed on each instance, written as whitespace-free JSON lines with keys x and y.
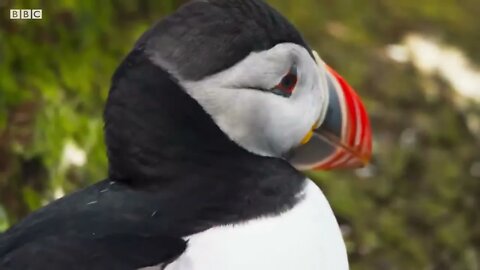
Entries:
{"x":307,"y":137}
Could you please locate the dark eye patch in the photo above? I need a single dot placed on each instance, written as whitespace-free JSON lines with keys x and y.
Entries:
{"x":287,"y":85}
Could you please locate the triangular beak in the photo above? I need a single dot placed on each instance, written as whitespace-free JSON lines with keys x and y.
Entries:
{"x":344,"y":138}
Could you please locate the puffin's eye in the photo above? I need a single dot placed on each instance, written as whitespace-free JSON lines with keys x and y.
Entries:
{"x":287,"y":84}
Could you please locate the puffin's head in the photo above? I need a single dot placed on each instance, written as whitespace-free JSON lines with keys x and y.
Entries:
{"x":253,"y":73}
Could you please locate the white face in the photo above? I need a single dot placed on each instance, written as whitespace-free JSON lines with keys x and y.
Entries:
{"x":252,"y":104}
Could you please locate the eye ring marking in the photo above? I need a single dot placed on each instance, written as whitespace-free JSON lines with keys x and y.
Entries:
{"x":287,"y":85}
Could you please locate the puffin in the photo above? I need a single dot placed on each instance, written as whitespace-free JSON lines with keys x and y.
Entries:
{"x":210,"y":123}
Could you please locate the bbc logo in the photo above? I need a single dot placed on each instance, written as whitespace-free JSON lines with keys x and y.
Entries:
{"x":25,"y":14}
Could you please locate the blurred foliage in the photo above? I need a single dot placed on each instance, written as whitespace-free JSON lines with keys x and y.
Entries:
{"x":416,"y":207}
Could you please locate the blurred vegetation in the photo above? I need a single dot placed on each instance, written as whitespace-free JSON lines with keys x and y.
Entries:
{"x":416,"y":207}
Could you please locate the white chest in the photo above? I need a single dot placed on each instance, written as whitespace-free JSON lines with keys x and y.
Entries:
{"x":307,"y":237}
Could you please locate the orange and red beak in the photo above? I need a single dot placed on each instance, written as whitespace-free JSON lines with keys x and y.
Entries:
{"x":344,"y":138}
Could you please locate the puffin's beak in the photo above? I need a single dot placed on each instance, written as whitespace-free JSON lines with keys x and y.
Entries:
{"x":344,"y":138}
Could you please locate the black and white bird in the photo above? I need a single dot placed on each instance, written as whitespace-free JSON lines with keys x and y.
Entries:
{"x":209,"y":122}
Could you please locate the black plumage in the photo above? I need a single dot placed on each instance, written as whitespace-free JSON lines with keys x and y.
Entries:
{"x":172,"y":171}
{"x":79,"y":252}
{"x":205,"y":37}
